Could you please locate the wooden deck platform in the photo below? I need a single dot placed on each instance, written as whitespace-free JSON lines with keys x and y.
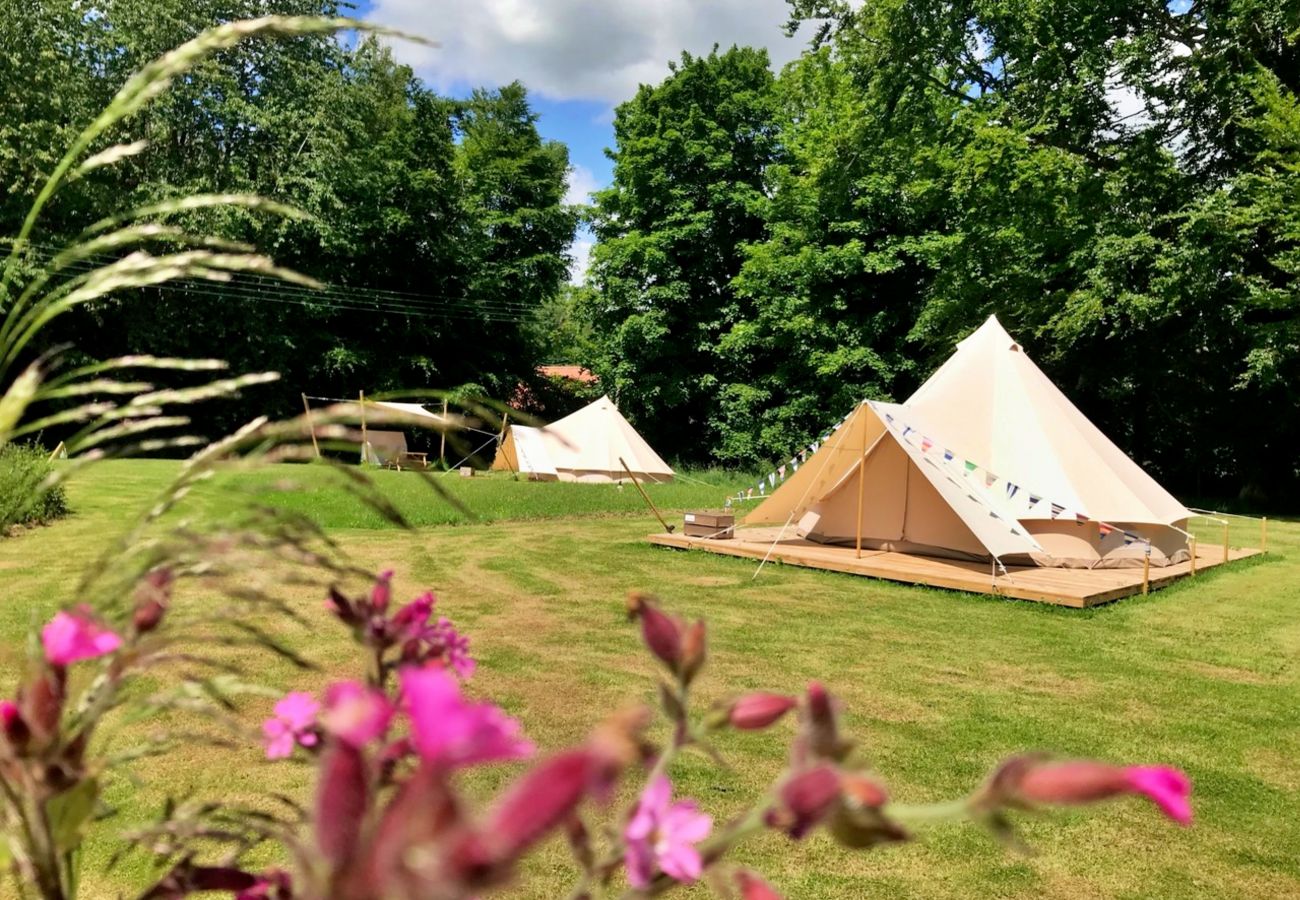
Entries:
{"x":1065,"y":587}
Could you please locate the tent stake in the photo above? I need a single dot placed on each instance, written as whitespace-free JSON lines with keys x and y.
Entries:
{"x":646,"y":497}
{"x":1193,"y":559}
{"x":306,"y":408}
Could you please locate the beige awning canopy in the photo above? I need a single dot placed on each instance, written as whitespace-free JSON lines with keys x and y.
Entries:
{"x":868,"y":483}
{"x":586,"y":445}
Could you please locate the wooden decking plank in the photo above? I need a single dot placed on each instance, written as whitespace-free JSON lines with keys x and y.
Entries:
{"x":1067,"y":587}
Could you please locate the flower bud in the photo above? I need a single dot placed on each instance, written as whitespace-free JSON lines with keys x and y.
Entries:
{"x":822,"y":727}
{"x":663,"y":635}
{"x":857,"y":820}
{"x":16,"y":731}
{"x":342,"y":798}
{"x":342,"y":607}
{"x":382,"y":592}
{"x":859,"y":790}
{"x":694,"y":651}
{"x":41,"y":703}
{"x":754,"y":888}
{"x":756,"y":711}
{"x":147,"y":616}
{"x":804,"y":800}
{"x":1030,"y":782}
{"x":540,"y":801}
{"x":152,"y":596}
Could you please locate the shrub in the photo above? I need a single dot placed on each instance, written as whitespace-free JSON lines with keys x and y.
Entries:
{"x":24,"y":499}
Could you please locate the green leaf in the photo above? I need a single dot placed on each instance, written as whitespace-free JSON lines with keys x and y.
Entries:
{"x":69,"y":812}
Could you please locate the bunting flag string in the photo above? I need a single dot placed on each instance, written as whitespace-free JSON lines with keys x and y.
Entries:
{"x":1057,"y":510}
{"x":926,"y":445}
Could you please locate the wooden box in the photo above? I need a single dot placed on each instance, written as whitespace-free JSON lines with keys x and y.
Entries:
{"x":466,"y":471}
{"x":710,"y":523}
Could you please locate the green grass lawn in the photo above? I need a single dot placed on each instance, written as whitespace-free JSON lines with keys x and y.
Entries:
{"x":937,"y":685}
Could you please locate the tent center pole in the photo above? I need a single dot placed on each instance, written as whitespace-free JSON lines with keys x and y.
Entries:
{"x":862,"y":482}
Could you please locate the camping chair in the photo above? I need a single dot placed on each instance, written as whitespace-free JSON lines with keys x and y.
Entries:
{"x":388,"y":449}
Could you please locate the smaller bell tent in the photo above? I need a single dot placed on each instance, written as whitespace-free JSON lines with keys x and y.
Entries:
{"x":590,"y":445}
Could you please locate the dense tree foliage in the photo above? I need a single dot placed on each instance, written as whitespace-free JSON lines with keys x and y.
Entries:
{"x":1117,"y":181}
{"x":437,"y":224}
{"x":687,"y":197}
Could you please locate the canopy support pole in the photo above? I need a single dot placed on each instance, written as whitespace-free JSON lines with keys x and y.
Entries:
{"x":361,"y":396}
{"x":442,"y":443}
{"x":501,"y":446}
{"x":1193,"y":559}
{"x":1263,"y":534}
{"x":306,"y":408}
{"x":646,"y":497}
{"x":1225,"y":541}
{"x":1146,"y":571}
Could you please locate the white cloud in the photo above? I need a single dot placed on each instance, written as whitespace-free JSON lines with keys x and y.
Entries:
{"x":580,"y":183}
{"x":576,"y":49}
{"x":580,"y":250}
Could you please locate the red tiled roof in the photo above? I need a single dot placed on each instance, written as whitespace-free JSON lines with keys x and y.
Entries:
{"x":573,"y":373}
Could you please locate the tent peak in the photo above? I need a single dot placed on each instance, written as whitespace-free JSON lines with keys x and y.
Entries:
{"x":992,"y":334}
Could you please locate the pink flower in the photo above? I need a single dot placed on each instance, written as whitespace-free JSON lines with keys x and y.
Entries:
{"x":412,"y":618}
{"x":453,"y":732}
{"x":454,"y":647}
{"x":72,"y":637}
{"x":1167,"y":788}
{"x":663,"y":833}
{"x":294,"y":722}
{"x":1085,"y":781}
{"x":356,"y":714}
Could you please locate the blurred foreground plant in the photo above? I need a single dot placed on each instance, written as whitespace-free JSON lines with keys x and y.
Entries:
{"x":388,"y":819}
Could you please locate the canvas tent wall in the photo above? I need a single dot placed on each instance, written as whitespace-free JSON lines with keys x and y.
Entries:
{"x":867,"y":487}
{"x":583,"y":446}
{"x":988,"y":403}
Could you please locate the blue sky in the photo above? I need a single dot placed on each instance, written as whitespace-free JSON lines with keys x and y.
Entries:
{"x":578,"y":58}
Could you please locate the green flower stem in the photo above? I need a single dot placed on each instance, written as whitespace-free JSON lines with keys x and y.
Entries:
{"x":911,"y":815}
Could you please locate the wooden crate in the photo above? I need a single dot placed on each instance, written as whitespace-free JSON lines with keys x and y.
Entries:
{"x":719,"y":524}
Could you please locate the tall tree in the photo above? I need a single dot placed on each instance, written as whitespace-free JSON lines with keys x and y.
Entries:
{"x":687,"y":196}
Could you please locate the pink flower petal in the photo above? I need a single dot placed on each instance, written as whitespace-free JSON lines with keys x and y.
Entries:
{"x":73,"y":637}
{"x":1168,"y":788}
{"x":448,"y":730}
{"x":355,"y":713}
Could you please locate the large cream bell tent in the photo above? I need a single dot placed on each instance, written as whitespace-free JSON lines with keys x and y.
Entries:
{"x":987,"y":478}
{"x":988,"y":459}
{"x":590,"y":445}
